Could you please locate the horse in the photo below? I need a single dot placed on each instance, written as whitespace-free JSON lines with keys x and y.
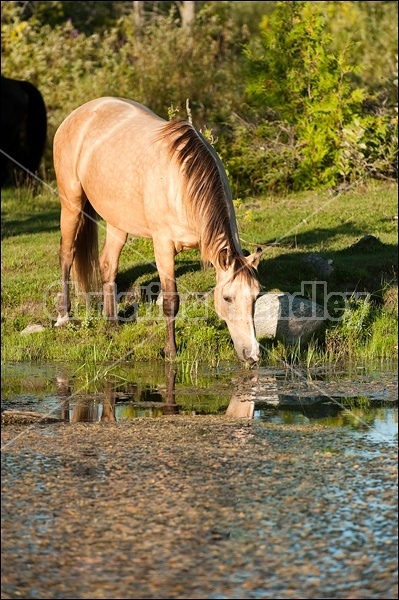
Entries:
{"x":151,"y":178}
{"x":23,"y":128}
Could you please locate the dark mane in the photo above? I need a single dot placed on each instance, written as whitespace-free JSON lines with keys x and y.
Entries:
{"x":206,"y":193}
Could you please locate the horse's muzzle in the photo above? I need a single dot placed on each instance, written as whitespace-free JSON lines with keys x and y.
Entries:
{"x":250,"y":357}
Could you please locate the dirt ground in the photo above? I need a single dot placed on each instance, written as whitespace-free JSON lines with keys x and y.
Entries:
{"x":197,"y":507}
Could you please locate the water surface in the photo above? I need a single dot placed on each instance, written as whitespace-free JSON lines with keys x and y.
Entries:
{"x":198,"y":505}
{"x":361,"y":398}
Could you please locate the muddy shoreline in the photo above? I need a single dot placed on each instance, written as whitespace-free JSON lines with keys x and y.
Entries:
{"x":197,"y":507}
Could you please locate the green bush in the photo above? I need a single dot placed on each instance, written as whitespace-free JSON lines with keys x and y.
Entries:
{"x":160,"y":67}
{"x":261,"y":156}
{"x":309,"y":127}
{"x":305,"y":122}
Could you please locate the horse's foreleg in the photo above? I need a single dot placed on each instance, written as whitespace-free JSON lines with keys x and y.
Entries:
{"x":165,"y":259}
{"x":170,"y":310}
{"x":109,"y":259}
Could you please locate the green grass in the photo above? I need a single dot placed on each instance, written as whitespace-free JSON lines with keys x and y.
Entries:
{"x":288,"y":228}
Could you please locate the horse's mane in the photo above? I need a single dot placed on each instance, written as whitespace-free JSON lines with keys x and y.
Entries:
{"x":207,"y":208}
{"x":242,"y":268}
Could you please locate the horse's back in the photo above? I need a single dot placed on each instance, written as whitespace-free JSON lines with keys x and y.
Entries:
{"x":107,"y":122}
{"x":107,"y":148}
{"x":96,"y":117}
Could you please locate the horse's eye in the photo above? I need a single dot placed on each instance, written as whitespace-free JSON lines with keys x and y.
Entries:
{"x":228,"y":299}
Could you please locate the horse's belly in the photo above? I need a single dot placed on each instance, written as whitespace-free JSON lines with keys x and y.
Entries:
{"x":126,"y":216}
{"x":116,"y":197}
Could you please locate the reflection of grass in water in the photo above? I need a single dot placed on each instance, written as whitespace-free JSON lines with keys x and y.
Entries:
{"x":193,"y":404}
{"x":361,"y":413}
{"x":14,"y":385}
{"x":197,"y":391}
{"x":200,"y":404}
{"x":356,"y":419}
{"x":147,"y":382}
{"x":133,"y":412}
{"x":358,"y":413}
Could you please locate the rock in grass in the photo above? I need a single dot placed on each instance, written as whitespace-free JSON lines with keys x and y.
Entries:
{"x":320,"y":266}
{"x":288,"y":318}
{"x":368,"y":243}
{"x":32,"y":329}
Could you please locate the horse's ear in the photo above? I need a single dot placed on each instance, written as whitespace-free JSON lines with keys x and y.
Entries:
{"x":254,"y":259}
{"x":224,"y":259}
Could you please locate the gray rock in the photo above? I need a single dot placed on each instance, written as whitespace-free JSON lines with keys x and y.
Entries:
{"x":289,"y":318}
{"x":320,"y":266}
{"x":32,"y":329}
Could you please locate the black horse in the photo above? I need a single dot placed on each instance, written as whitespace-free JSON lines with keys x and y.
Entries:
{"x":23,"y":130}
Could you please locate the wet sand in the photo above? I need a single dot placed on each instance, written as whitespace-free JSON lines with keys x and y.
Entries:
{"x":197,"y":507}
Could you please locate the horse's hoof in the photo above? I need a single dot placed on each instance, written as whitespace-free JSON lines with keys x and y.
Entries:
{"x":62,"y":321}
{"x":112,"y":322}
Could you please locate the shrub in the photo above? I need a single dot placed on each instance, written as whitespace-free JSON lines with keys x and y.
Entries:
{"x":309,"y":128}
{"x":160,"y":67}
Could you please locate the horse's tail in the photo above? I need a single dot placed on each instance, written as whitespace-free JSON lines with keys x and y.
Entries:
{"x":36,"y":126}
{"x":85,"y":266}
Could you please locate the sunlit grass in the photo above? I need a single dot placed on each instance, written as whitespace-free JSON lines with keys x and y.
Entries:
{"x":288,"y":227}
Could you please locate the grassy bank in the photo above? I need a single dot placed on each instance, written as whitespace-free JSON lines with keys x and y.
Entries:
{"x":289,"y":229}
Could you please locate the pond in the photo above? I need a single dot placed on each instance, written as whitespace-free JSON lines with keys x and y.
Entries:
{"x":361,"y":398}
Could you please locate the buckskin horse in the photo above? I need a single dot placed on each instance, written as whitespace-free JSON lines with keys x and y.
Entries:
{"x":156,"y":179}
{"x":23,"y":130}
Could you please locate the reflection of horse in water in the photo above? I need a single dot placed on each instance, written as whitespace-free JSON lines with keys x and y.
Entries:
{"x":87,"y":411}
{"x":23,"y":130}
{"x":76,"y":409}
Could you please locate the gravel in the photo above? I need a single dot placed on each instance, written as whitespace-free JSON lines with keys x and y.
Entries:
{"x":197,"y":507}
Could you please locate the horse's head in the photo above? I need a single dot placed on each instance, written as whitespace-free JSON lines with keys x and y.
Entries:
{"x":235,"y":293}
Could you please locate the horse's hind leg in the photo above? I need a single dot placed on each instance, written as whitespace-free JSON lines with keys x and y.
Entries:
{"x":109,"y":258}
{"x":70,"y":219}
